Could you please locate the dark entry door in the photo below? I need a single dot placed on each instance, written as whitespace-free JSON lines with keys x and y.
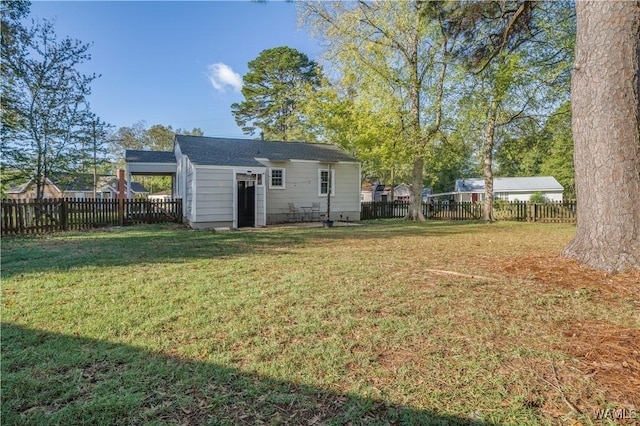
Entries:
{"x":246,"y":204}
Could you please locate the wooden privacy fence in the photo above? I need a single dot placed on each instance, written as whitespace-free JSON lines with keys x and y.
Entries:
{"x":64,"y":214}
{"x":502,"y":210}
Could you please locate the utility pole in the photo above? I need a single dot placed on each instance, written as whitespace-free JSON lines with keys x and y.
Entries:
{"x":95,"y":160}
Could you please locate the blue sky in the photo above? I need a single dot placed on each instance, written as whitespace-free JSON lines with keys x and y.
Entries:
{"x":174,"y":63}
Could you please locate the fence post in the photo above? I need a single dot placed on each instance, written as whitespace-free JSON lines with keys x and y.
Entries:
{"x":120,"y":211}
{"x":63,"y":214}
{"x":21,"y":217}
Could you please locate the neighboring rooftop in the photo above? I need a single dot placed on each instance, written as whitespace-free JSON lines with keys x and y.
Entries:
{"x":82,"y":182}
{"x":136,"y":187}
{"x":510,"y":184}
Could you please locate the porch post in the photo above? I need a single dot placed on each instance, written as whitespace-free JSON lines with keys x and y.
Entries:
{"x":264,"y":199}
{"x":128,"y":184}
{"x":234,"y":224}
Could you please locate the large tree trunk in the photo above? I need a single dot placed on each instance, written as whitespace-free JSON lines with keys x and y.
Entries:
{"x":415,"y":208}
{"x":488,"y":185}
{"x":606,"y":129}
{"x":487,"y":167}
{"x":393,"y":184}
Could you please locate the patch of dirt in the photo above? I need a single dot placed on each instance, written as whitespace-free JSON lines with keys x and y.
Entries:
{"x":603,"y":371}
{"x":610,"y":355}
{"x":560,"y":273}
{"x":603,"y":353}
{"x":392,"y":359}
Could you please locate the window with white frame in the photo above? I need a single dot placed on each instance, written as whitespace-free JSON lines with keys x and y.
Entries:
{"x":323,"y":182}
{"x":277,"y":178}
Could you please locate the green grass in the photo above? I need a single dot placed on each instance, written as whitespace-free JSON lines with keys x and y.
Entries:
{"x":163,"y":325}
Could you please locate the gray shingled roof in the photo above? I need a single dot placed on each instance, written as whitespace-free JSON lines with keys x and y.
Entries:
{"x":243,"y":152}
{"x":17,"y":189}
{"x":509,"y":184}
{"x":138,"y":156}
{"x":77,"y":183}
{"x":67,"y":182}
{"x":136,"y":187}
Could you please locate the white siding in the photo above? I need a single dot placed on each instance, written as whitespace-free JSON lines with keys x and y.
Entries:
{"x":180,"y":189}
{"x":260,"y":205}
{"x":302,"y":190}
{"x":510,"y":196}
{"x":526,"y":196}
{"x":554,"y":196}
{"x":464,"y":197}
{"x":366,"y":196}
{"x":214,"y":202}
{"x":189,"y":183}
{"x":208,"y":192}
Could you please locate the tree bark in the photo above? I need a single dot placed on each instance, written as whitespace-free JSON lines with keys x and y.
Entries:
{"x":393,"y":184}
{"x":606,"y":129}
{"x":489,"y":138}
{"x":415,"y":208}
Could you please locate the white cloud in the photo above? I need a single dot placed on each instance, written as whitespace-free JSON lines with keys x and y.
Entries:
{"x":223,"y":76}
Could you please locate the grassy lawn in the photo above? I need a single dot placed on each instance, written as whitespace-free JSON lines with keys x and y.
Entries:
{"x":387,"y":323}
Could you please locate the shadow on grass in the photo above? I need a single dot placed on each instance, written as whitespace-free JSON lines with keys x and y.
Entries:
{"x":158,"y":244}
{"x":48,"y":378}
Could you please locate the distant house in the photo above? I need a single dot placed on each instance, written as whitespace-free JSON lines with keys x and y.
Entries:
{"x":73,"y":186}
{"x":160,"y":196}
{"x":504,"y":188}
{"x":402,"y":192}
{"x":110,"y":189}
{"x":374,"y":191}
{"x":379,"y":192}
{"x":244,"y":182}
{"x":27,"y":190}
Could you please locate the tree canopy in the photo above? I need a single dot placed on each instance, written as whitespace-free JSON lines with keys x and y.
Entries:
{"x":274,"y":89}
{"x":158,"y":137}
{"x":515,"y":62}
{"x":45,"y":99}
{"x":532,"y":151}
{"x":394,"y":57}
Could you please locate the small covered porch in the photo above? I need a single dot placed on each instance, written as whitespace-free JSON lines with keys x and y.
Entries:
{"x":151,"y":163}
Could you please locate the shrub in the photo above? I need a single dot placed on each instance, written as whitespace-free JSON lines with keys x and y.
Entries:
{"x":539,"y":197}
